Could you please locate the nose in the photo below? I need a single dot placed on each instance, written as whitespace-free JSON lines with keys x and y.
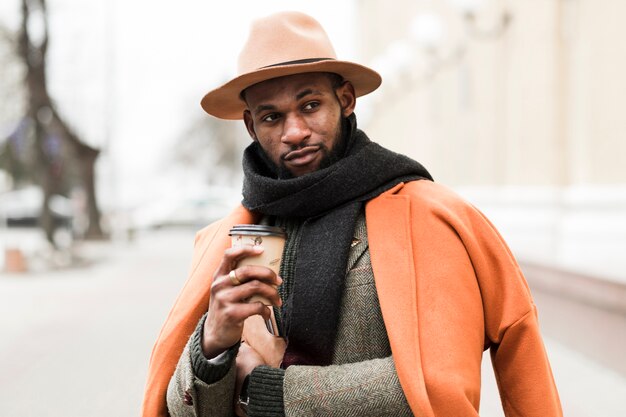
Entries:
{"x":295,"y":130}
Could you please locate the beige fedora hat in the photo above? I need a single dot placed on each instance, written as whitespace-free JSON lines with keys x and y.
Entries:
{"x":283,"y":44}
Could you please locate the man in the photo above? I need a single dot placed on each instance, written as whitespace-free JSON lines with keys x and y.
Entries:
{"x":390,"y":288}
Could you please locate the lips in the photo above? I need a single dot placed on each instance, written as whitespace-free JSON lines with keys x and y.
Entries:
{"x":302,"y":156}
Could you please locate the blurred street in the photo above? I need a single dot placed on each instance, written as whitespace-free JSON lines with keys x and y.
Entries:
{"x":76,"y":342}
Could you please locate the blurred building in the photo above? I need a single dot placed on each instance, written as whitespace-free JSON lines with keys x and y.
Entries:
{"x":517,"y":105}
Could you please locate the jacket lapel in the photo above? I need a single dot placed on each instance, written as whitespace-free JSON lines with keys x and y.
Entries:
{"x":358,"y":245}
{"x":389,"y":228}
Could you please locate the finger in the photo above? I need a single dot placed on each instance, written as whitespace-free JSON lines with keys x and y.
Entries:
{"x":244,"y":274}
{"x":233,"y":255}
{"x":262,"y":273}
{"x":223,"y":293}
{"x":244,"y":292}
{"x":237,"y":314}
{"x":265,"y":311}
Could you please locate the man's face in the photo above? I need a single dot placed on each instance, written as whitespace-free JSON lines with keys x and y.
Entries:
{"x":297,"y":119}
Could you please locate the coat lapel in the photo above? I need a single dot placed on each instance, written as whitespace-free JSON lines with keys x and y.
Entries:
{"x":389,"y":228}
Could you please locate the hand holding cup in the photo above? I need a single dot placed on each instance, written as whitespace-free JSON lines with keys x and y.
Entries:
{"x":232,"y":288}
{"x":271,"y":238}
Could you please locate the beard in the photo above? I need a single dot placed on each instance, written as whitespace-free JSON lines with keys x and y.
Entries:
{"x":329,"y":156}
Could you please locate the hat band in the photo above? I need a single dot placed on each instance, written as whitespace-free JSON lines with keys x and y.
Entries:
{"x":296,"y":62}
{"x":299,"y":61}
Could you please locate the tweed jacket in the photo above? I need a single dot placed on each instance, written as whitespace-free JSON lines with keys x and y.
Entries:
{"x":365,"y":383}
{"x":448,"y":287}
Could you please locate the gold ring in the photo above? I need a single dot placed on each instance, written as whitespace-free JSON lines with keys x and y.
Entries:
{"x":233,"y":278}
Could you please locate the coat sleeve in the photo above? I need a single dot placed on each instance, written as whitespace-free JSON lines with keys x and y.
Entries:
{"x":512,"y":333}
{"x":523,"y":372}
{"x":189,"y":396}
{"x":450,"y":289}
{"x":368,"y":388}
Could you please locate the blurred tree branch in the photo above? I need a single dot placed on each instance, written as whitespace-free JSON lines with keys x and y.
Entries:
{"x":58,"y":149}
{"x":15,"y":155}
{"x":213,"y":148}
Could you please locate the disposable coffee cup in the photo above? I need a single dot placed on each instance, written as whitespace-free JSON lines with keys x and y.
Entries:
{"x":270,"y":237}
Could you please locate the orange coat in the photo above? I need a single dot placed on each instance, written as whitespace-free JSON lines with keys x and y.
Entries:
{"x":448,"y":287}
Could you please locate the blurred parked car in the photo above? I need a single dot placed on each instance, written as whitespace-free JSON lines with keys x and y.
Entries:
{"x":196,"y":207}
{"x":22,"y":208}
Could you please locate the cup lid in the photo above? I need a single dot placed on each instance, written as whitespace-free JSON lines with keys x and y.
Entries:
{"x":257,"y":230}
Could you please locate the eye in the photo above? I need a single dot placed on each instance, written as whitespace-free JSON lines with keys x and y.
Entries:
{"x":269,"y":117}
{"x":310,"y":105}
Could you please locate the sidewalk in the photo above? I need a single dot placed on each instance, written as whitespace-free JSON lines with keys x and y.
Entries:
{"x":76,"y":343}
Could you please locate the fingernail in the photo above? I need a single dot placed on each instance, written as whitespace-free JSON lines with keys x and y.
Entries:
{"x":259,"y":248}
{"x":280,"y":280}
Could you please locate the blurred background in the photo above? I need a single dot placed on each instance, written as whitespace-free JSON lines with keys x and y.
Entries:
{"x":108,"y":166}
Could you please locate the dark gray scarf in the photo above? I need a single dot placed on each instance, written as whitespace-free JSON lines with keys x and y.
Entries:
{"x":329,"y":201}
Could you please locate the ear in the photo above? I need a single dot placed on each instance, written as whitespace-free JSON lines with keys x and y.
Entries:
{"x":347,"y":98}
{"x":249,"y":122}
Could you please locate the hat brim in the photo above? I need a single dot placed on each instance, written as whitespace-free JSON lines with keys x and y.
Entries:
{"x":225,"y":102}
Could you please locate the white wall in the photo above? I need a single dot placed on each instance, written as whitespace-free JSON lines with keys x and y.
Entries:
{"x":527,"y":123}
